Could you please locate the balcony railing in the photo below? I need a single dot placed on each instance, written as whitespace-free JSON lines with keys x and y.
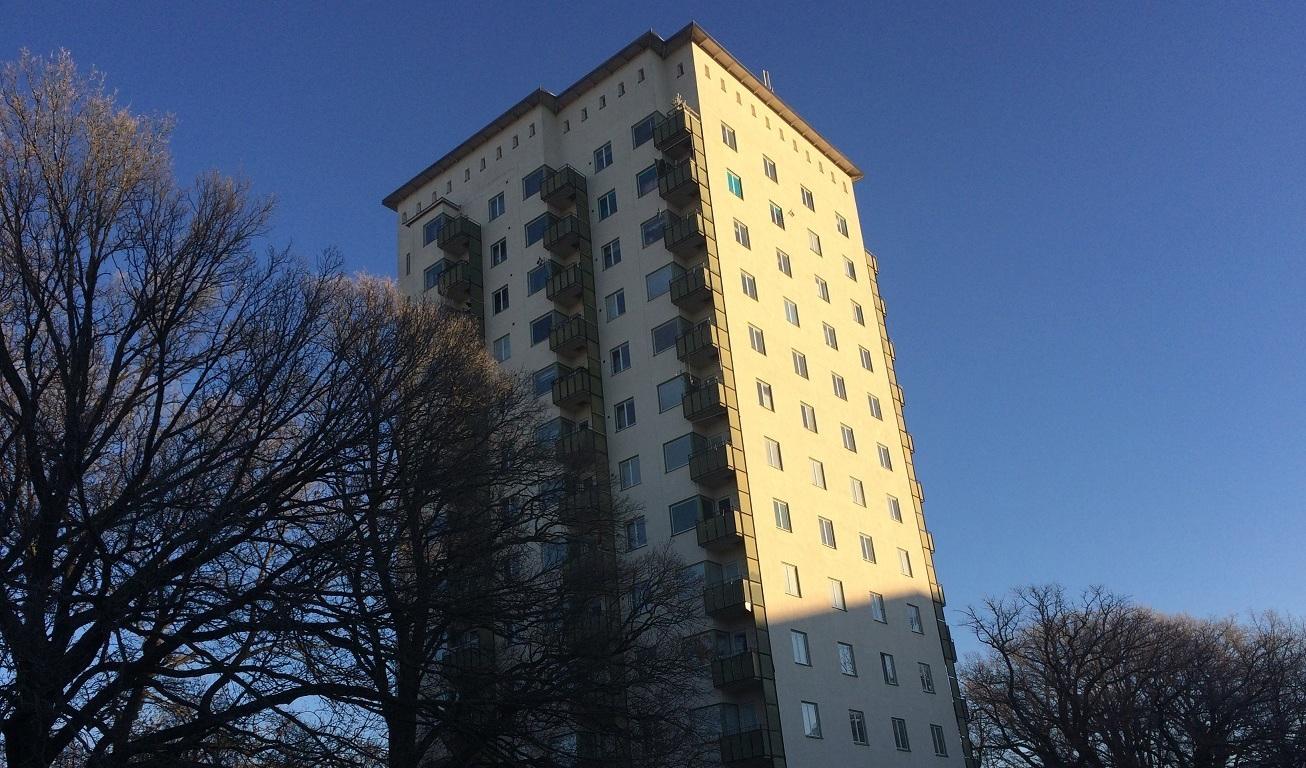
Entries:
{"x":566,"y":234}
{"x":706,"y":400}
{"x":682,"y":182}
{"x":455,"y":279}
{"x":458,"y":235}
{"x":747,"y":749}
{"x":721,"y":531}
{"x":693,"y":287}
{"x":676,"y":135}
{"x":572,"y":336}
{"x":566,"y":287}
{"x":715,"y":464}
{"x":580,"y":445}
{"x":738,"y":670}
{"x":684,"y":235}
{"x":586,"y":504}
{"x":731,"y":599}
{"x":573,"y":388}
{"x":562,"y":187}
{"x":699,"y":344}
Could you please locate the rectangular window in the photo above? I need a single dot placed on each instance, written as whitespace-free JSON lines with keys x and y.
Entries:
{"x":503,"y":348}
{"x":857,"y":719}
{"x":659,"y":280}
{"x":773,"y":457}
{"x":837,"y":384}
{"x":791,"y":312}
{"x":877,"y":608}
{"x":822,"y":289}
{"x":540,"y":328}
{"x":628,"y":471}
{"x":874,"y":403}
{"x":620,"y":357}
{"x":827,"y":531}
{"x":636,"y":534}
{"x":664,"y":335}
{"x":431,"y":275}
{"x":777,"y":216}
{"x":800,"y":363}
{"x":856,"y":490}
{"x":866,"y":358}
{"x":914,"y":619}
{"x":500,"y":299}
{"x":811,"y":720}
{"x":900,"y":735}
{"x":868,"y":548}
{"x":543,"y":379}
{"x":607,"y":204}
{"x":670,"y":393}
{"x":809,"y":417}
{"x":611,"y":254}
{"x":885,"y":460}
{"x":686,"y":514}
{"x":890,"y":671}
{"x":675,"y":453}
{"x":764,"y":397}
{"x":847,"y":662}
{"x":849,"y":439}
{"x":768,"y":167}
{"x":818,"y":473}
{"x":749,"y":284}
{"x":802,"y":653}
{"x":927,"y":677}
{"x":792,"y":585}
{"x":537,"y":279}
{"x":614,"y":304}
{"x":895,"y":509}
{"x":496,"y":206}
{"x":841,"y":224}
{"x":643,"y":130}
{"x":757,"y":339}
{"x":940,"y":740}
{"x":734,"y":184}
{"x":782,"y":263}
{"x":623,"y":413}
{"x":859,"y":316}
{"x":431,"y":230}
{"x":650,"y":231}
{"x":646,"y":181}
{"x":531,"y":182}
{"x":808,"y":200}
{"x":741,"y":234}
{"x":836,"y":595}
{"x":603,"y":157}
{"x":781,"y":510}
{"x":814,"y":242}
{"x":904,"y":562}
{"x":849,"y":269}
{"x":498,"y":252}
{"x":728,"y":136}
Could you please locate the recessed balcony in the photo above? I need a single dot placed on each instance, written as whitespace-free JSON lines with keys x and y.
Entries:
{"x":724,"y":531}
{"x":681,"y":183}
{"x":580,"y":446}
{"x":715,"y":465}
{"x":567,"y":234}
{"x":459,"y":235}
{"x":699,"y":344}
{"x":563,"y":187}
{"x":678,"y":133}
{"x":455,"y":281}
{"x":693,"y":288}
{"x":572,"y":337}
{"x":731,"y":599}
{"x":566,"y":287}
{"x":748,"y":749}
{"x":684,"y":235}
{"x":573,"y":388}
{"x":704,"y":401}
{"x":739,"y":670}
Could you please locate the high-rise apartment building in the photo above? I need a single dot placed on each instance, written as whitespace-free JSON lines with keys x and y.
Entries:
{"x":676,"y":257}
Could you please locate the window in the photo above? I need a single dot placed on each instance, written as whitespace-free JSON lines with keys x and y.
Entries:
{"x":904,"y":562}
{"x":614,"y":304}
{"x":664,"y":335}
{"x":640,"y":76}
{"x":500,"y":299}
{"x":603,"y":100}
{"x":408,"y":263}
{"x":847,"y":662}
{"x":646,"y":181}
{"x":841,"y":224}
{"x":885,"y":460}
{"x":818,"y":472}
{"x":628,"y":471}
{"x":900,"y":735}
{"x":773,"y":457}
{"x":802,"y":654}
{"x":620,"y":357}
{"x":741,"y":234}
{"x":914,"y":619}
{"x":624,"y":413}
{"x":875,"y":406}
{"x":566,"y":126}
{"x":836,"y":595}
{"x":857,"y":719}
{"x":611,"y":254}
{"x":940,"y":741}
{"x":877,"y":608}
{"x":837,"y":384}
{"x":927,"y":677}
{"x":895,"y":510}
{"x":531,"y":182}
{"x":849,"y":269}
{"x":431,"y":275}
{"x":541,"y":326}
{"x":808,"y":200}
{"x":822,"y":289}
{"x":768,"y":167}
{"x":607,"y":204}
{"x":890,"y":671}
{"x":781,"y":510}
{"x":800,"y":363}
{"x":777,"y":216}
{"x":827,"y":531}
{"x":686,"y":514}
{"x":791,"y":312}
{"x":868,"y":547}
{"x":757,"y":339}
{"x":670,"y":392}
{"x":498,"y":252}
{"x":735,"y":184}
{"x":537,"y":279}
{"x":849,"y":439}
{"x":728,"y":136}
{"x":749,"y":284}
{"x":496,"y":206}
{"x":866,"y":358}
{"x":431,"y":230}
{"x":809,"y":417}
{"x":811,"y":720}
{"x":536,"y":227}
{"x":636,"y":533}
{"x":675,"y":453}
{"x":503,"y":348}
{"x":650,"y":231}
{"x":782,"y":263}
{"x":856,"y":490}
{"x":643,"y":130}
{"x":602,"y":156}
{"x":764,"y":398}
{"x":814,"y":242}
{"x":658,"y":281}
{"x":543,"y":379}
{"x":859,"y":316}
{"x":792,"y":586}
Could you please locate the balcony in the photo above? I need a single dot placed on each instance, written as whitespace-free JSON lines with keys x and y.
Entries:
{"x":458,"y":236}
{"x":566,"y":287}
{"x":566,"y":235}
{"x":580,"y":446}
{"x":731,"y":599}
{"x":684,"y":235}
{"x":562,"y":187}
{"x":587,"y":504}
{"x":698,"y":345}
{"x":572,"y":336}
{"x":705,"y":401}
{"x":678,"y":133}
{"x":721,"y":531}
{"x":739,"y":670}
{"x":573,"y":388}
{"x":693,"y":288}
{"x":455,"y":281}
{"x":747,"y":749}
{"x":475,"y":657}
{"x":715,"y":465}
{"x":681,"y":183}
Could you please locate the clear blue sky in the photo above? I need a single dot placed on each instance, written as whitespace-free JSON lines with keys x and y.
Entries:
{"x":1091,"y":224}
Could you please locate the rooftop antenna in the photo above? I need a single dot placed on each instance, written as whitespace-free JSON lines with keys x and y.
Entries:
{"x":766,"y":80}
